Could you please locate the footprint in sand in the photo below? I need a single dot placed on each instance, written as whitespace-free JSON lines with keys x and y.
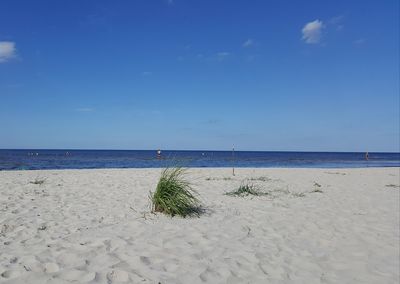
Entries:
{"x":145,"y":260}
{"x":50,"y":267}
{"x":118,"y":276}
{"x":70,"y":260}
{"x":78,"y":275}
{"x":8,"y":274}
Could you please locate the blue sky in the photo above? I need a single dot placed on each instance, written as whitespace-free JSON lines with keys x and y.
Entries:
{"x":185,"y":74}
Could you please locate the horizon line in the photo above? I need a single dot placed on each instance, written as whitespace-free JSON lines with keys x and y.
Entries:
{"x":191,"y":150}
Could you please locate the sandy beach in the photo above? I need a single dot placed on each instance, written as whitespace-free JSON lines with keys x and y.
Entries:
{"x":95,"y":226}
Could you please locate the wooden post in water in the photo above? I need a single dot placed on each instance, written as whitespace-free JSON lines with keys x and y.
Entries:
{"x":233,"y":160}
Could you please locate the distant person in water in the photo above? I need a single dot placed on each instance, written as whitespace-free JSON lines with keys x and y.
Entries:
{"x":158,"y":154}
{"x":366,"y":156}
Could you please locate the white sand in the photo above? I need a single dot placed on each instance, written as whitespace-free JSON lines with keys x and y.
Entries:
{"x":94,"y":226}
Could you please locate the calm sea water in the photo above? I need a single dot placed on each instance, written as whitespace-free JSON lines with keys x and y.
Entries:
{"x":91,"y":159}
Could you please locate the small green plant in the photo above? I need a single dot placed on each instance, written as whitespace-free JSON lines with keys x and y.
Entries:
{"x":298,"y":194}
{"x":223,"y":178}
{"x":38,"y":181}
{"x":260,"y":178}
{"x":245,"y":190}
{"x":317,"y":188}
{"x":174,"y":195}
{"x":393,"y":185}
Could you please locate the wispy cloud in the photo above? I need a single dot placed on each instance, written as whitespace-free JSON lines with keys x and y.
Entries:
{"x":248,"y":43}
{"x":359,"y":41}
{"x":250,"y":57}
{"x":312,"y":32}
{"x":170,"y":2}
{"x":84,"y":109}
{"x":213,"y":121}
{"x":222,"y":55}
{"x":337,"y":22}
{"x":146,"y":73}
{"x":7,"y":51}
{"x":211,"y":57}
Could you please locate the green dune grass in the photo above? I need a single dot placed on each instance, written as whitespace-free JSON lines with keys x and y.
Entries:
{"x":246,"y":189}
{"x":174,"y":195}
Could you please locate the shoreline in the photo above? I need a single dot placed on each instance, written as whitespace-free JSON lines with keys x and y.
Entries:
{"x":330,"y":225}
{"x":210,"y":168}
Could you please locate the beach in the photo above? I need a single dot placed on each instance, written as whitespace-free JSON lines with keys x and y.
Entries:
{"x":96,"y":226}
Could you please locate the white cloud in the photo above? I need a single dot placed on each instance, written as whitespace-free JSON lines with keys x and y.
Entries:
{"x":248,"y":43}
{"x":312,"y":32}
{"x":7,"y":50}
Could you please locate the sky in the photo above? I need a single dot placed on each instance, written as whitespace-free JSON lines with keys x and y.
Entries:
{"x":273,"y":75}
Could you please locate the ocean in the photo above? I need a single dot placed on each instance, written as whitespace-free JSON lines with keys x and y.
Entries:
{"x":98,"y":159}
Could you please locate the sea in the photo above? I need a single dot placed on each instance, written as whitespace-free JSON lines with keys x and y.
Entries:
{"x":34,"y":159}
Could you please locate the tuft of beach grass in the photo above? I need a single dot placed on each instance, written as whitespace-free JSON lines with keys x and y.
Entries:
{"x":38,"y":181}
{"x":298,"y":194}
{"x":174,"y":195}
{"x":216,"y":178}
{"x":246,"y":189}
{"x":317,"y":188}
{"x":393,"y":185}
{"x":260,"y":178}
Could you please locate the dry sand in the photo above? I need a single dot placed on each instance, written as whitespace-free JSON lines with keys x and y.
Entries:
{"x":94,"y":226}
